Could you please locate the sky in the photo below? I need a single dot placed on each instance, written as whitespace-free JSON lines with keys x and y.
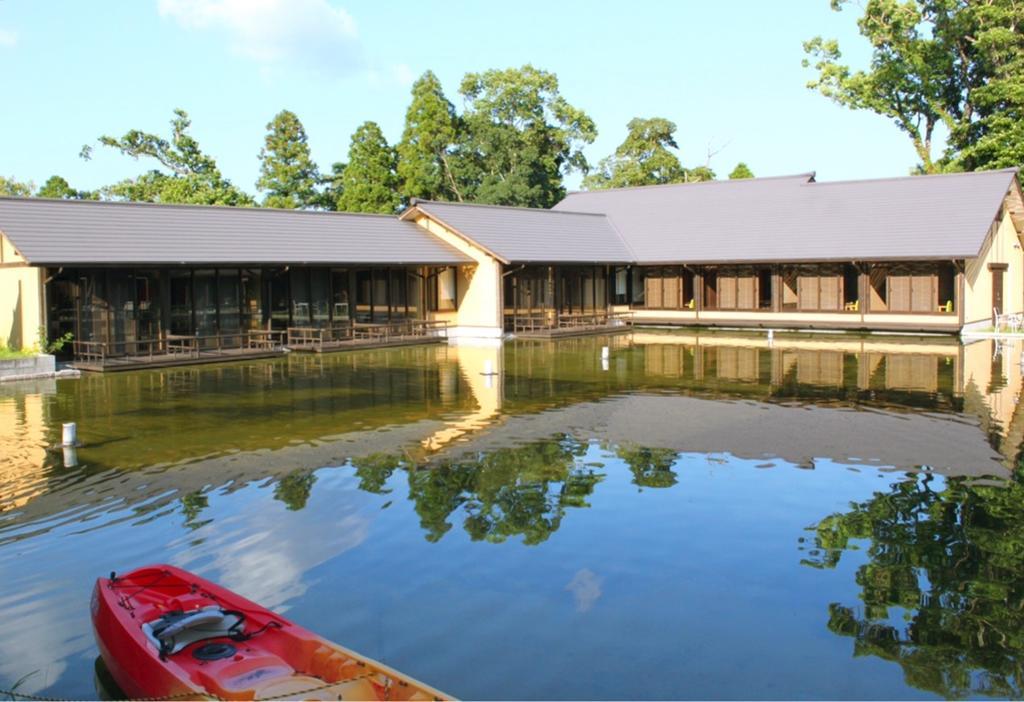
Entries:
{"x":727,"y":72}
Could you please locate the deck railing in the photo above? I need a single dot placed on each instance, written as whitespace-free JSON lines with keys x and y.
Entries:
{"x":176,"y":346}
{"x":547,"y":321}
{"x":357,"y":333}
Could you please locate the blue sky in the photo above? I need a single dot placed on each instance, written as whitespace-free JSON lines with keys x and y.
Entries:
{"x":728,"y":73}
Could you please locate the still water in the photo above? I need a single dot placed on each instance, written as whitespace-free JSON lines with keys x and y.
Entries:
{"x":696,"y":517}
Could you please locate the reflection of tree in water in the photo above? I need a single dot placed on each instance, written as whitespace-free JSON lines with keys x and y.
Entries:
{"x":651,"y":467}
{"x":192,"y":505}
{"x":506,"y":492}
{"x":294,"y":489}
{"x":375,"y":470}
{"x":947,"y":560}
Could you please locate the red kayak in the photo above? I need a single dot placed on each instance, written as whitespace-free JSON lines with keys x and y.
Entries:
{"x":164,"y":632}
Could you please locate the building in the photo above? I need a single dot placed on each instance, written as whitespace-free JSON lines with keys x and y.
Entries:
{"x":172,"y":284}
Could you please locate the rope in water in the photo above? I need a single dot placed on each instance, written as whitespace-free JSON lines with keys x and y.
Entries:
{"x":296,"y":694}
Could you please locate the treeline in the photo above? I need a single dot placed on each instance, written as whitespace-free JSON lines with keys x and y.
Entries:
{"x":513,"y":144}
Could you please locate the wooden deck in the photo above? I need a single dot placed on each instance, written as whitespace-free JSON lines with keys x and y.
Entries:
{"x":125,"y":363}
{"x":351,"y":336}
{"x":547,"y":325}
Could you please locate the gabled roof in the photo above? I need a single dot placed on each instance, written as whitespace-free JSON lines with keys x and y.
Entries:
{"x":797,"y":219}
{"x":75,"y":232}
{"x":530,"y":235}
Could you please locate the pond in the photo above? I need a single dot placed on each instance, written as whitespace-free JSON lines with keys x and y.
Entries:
{"x":696,"y":516}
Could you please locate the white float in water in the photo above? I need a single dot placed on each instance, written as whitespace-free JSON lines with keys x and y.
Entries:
{"x":69,"y":434}
{"x":605,"y":353}
{"x":771,"y":337}
{"x":488,"y":367}
{"x":604,"y":364}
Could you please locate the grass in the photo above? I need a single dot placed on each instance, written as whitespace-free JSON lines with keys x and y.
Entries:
{"x":7,"y":354}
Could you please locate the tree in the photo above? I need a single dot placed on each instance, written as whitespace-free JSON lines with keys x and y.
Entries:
{"x":189,"y":175}
{"x":643,"y":158}
{"x":59,"y":189}
{"x":521,"y":138}
{"x":995,"y":138}
{"x":425,"y":153}
{"x":332,"y":186}
{"x":937,"y":62}
{"x":948,"y":558}
{"x":369,"y":181}
{"x":288,"y":174}
{"x":741,"y":172}
{"x":9,"y":187}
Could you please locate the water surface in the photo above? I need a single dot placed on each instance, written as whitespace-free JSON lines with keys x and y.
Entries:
{"x":699,"y":517}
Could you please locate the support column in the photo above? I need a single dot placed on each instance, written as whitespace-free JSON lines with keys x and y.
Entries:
{"x":698,"y":292}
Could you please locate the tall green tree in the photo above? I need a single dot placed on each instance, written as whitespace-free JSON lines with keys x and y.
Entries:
{"x":425,"y":153}
{"x":644,"y":158}
{"x":188,"y":174}
{"x":332,"y":186}
{"x":952,"y":63}
{"x":522,"y":137}
{"x":10,"y":187}
{"x":369,"y":181}
{"x":741,"y":172}
{"x":288,"y":175}
{"x":58,"y":188}
{"x":994,"y":138}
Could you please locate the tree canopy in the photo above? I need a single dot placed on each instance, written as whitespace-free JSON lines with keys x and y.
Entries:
{"x":10,"y":187}
{"x":189,"y":175}
{"x":57,"y":188}
{"x":426,"y":167}
{"x":741,"y":172}
{"x":644,"y":158}
{"x":288,"y":174}
{"x":369,"y":181}
{"x":949,"y":63}
{"x":522,"y":137}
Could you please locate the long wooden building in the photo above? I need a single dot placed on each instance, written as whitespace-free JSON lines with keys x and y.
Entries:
{"x":175,"y":284}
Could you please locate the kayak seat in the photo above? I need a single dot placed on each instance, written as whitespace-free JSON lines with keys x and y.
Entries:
{"x":173,"y":631}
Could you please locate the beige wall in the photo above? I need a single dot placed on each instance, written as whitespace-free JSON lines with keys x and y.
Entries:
{"x":1002,"y":246}
{"x":21,"y":300}
{"x":479,"y":312}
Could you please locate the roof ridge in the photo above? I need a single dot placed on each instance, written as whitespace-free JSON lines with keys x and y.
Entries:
{"x":418,"y":202}
{"x":922,"y":176}
{"x":190,"y":205}
{"x":808,"y":174}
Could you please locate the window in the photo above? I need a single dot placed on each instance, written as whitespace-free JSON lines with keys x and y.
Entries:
{"x":620,"y":287}
{"x":443,"y":290}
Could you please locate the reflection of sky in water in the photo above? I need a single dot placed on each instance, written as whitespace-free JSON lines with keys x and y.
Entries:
{"x":266,"y":557}
{"x":680,"y":572}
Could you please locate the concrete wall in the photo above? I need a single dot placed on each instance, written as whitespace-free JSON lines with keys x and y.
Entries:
{"x":21,"y":300}
{"x":479,"y":309}
{"x":40,"y":366}
{"x":1002,"y":246}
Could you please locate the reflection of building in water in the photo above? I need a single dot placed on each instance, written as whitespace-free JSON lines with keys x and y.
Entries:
{"x":983,"y":378}
{"x":480,"y":367}
{"x":24,"y":436}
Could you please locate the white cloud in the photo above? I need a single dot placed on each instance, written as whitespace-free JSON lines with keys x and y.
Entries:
{"x":7,"y":38}
{"x":310,"y":32}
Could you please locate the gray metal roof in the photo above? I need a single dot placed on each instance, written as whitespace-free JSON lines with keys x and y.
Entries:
{"x":85,"y":232}
{"x":524,"y":235}
{"x":796,"y":219}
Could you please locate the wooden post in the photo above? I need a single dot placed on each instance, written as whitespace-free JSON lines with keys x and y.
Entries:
{"x":698,"y":293}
